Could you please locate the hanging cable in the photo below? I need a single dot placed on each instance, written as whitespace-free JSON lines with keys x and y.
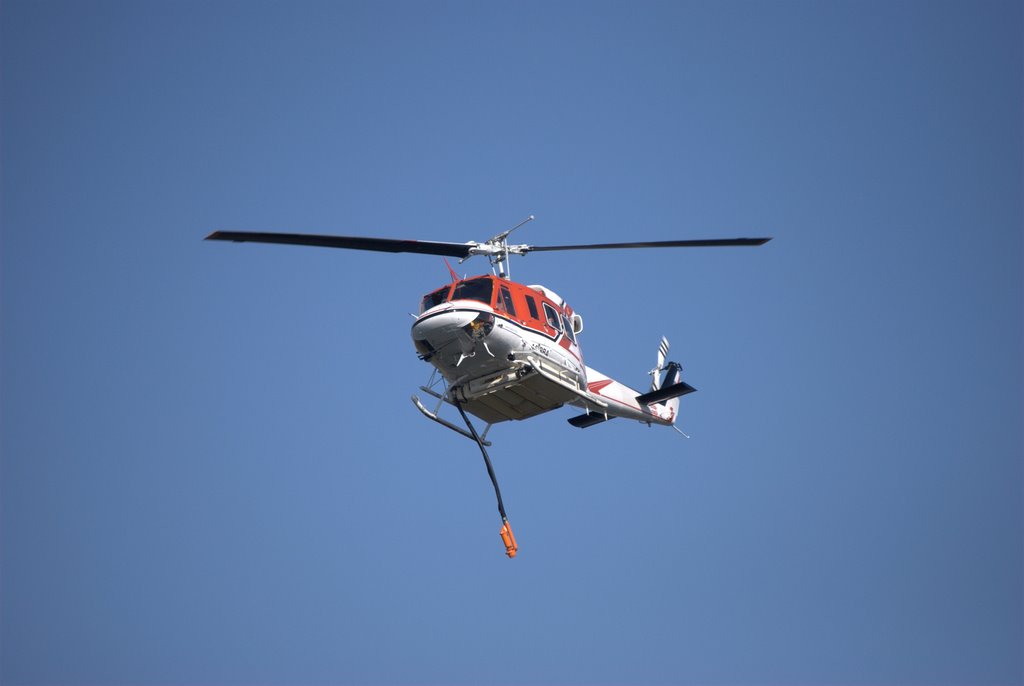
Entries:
{"x":507,"y":536}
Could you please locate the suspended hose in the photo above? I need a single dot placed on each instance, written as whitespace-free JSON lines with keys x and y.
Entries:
{"x":506,"y":530}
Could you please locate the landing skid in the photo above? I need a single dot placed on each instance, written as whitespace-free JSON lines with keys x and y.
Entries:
{"x":437,"y":387}
{"x":445,"y":423}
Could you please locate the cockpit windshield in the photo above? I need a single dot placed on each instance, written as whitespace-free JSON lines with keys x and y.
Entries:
{"x":434,"y":299}
{"x":474,"y":289}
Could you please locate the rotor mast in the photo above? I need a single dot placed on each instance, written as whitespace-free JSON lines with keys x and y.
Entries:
{"x":497,"y":250}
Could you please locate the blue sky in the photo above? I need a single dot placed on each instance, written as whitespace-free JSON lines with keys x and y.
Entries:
{"x":210,"y":471}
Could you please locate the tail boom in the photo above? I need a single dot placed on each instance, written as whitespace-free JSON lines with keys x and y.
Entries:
{"x":608,"y":398}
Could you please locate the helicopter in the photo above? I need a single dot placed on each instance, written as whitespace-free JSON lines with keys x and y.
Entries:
{"x":502,"y":350}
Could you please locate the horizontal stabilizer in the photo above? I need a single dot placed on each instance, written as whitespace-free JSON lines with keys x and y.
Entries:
{"x":662,"y":394}
{"x":588,"y":419}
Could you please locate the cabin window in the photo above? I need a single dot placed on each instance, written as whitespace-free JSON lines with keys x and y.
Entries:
{"x":434,"y":299}
{"x":552,"y":316}
{"x":568,"y":329}
{"x":531,"y":305}
{"x":476,"y":289}
{"x":506,"y":302}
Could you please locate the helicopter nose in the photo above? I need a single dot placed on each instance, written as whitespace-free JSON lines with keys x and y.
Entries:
{"x":441,"y":328}
{"x":441,"y":324}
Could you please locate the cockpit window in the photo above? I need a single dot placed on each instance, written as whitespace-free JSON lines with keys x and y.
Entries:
{"x":505,"y":300}
{"x":568,"y":328}
{"x":532,"y":305}
{"x":476,"y":289}
{"x":434,"y":299}
{"x":552,"y":317}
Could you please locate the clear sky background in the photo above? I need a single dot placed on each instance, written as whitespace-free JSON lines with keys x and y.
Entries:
{"x":210,"y":470}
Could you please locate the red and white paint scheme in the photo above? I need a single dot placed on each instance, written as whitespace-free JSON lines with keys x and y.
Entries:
{"x":510,"y":351}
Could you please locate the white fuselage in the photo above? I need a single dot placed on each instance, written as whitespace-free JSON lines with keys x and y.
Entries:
{"x":509,"y":351}
{"x":470,"y":339}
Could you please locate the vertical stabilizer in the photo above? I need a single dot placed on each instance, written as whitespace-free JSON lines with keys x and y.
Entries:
{"x":673,"y":376}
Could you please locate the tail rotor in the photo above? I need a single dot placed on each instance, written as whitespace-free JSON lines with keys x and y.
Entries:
{"x":666,"y":390}
{"x":660,"y":367}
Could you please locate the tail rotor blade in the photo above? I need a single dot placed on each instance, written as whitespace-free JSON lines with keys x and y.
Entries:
{"x":662,"y":352}
{"x":656,"y":372}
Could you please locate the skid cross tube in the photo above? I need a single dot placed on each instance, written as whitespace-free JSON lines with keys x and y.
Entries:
{"x":506,"y":529}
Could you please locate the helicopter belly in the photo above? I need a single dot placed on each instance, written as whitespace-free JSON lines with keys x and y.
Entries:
{"x":526,"y":386}
{"x":519,"y":398}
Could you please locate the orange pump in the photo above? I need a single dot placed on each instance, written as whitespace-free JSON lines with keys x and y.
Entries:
{"x":509,"y":539}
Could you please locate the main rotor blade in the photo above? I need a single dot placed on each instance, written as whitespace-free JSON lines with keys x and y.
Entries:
{"x":704,"y":243}
{"x":349,"y":242}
